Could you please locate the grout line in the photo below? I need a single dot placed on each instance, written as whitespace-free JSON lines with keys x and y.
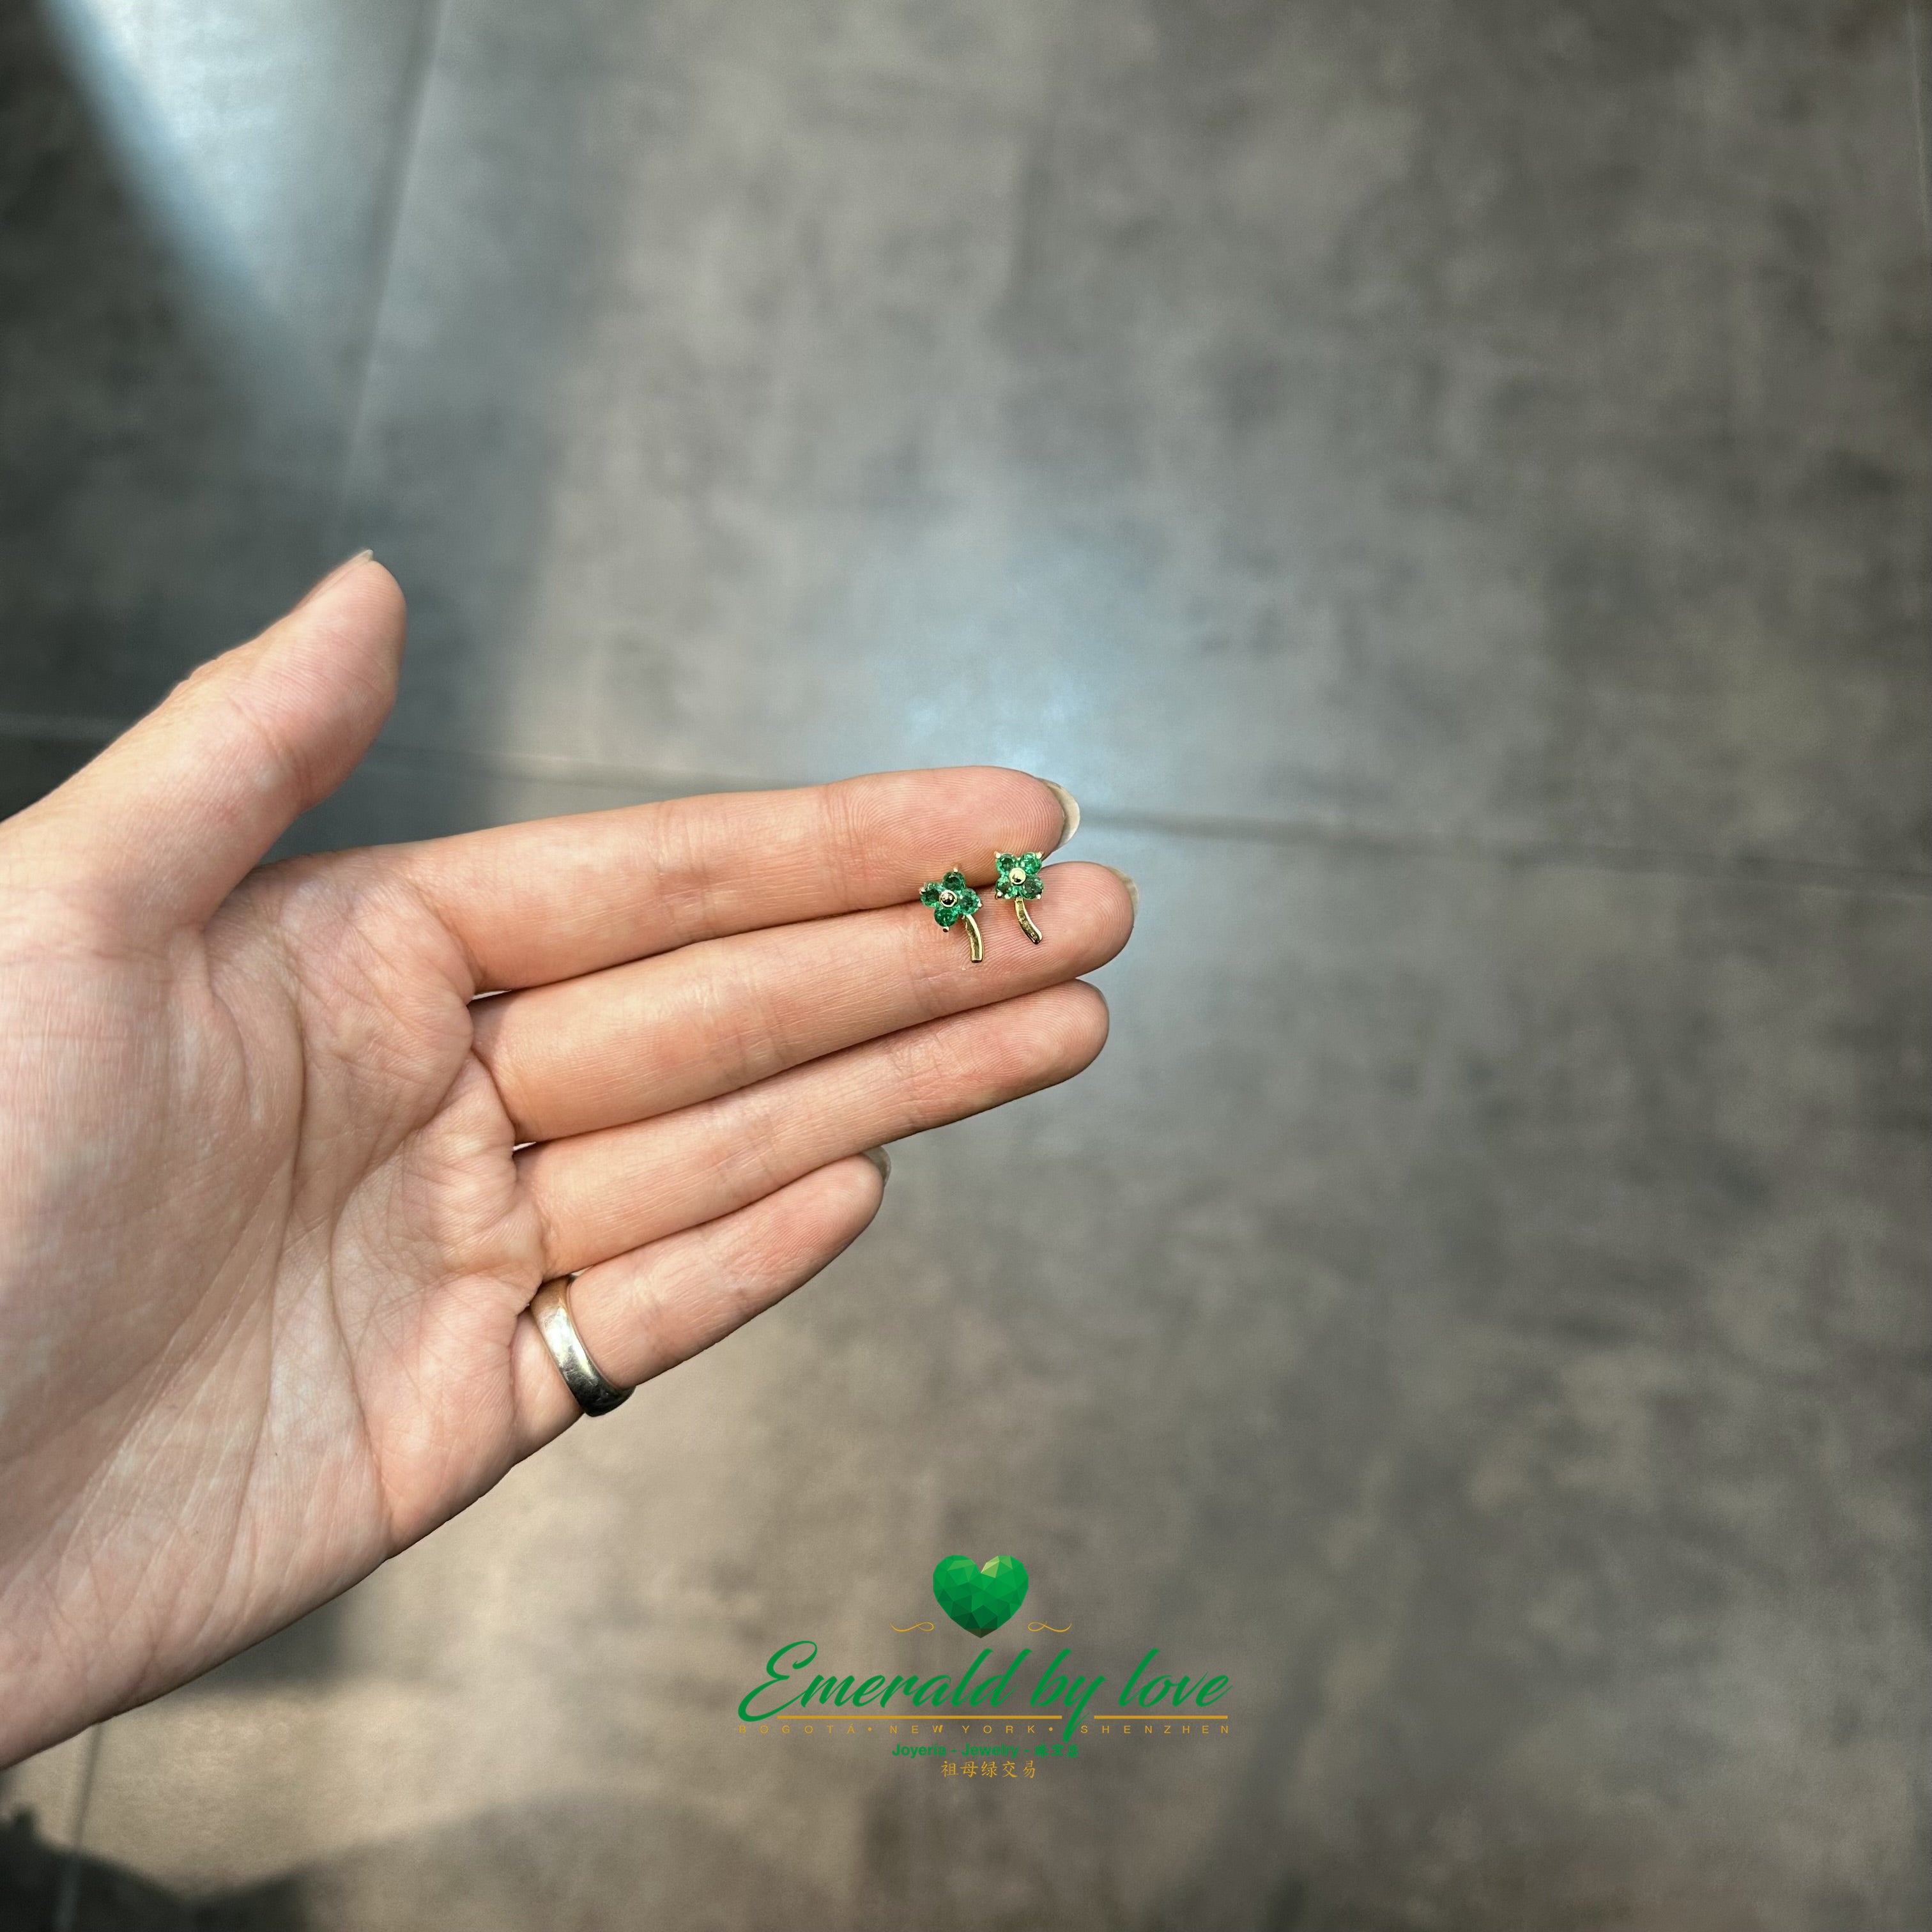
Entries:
{"x":1915,"y":56}
{"x":1582,"y":856}
{"x":67,"y":1903}
{"x":424,"y":60}
{"x":1579,"y":855}
{"x":61,"y":728}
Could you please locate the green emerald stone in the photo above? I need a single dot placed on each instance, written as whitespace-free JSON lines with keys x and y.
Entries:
{"x":1017,"y":875}
{"x":979,"y":1597}
{"x":950,"y":899}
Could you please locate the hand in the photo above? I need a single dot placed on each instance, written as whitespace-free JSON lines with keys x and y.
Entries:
{"x":277,"y":1184}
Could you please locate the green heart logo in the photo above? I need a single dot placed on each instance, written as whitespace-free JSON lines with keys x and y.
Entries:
{"x":979,"y":1597}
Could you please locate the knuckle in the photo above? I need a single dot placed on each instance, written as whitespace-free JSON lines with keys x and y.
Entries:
{"x":844,"y":834}
{"x":930,"y":972}
{"x":497,"y":1055}
{"x":551,"y":1245}
{"x":751,"y":1023}
{"x":753,"y":1152}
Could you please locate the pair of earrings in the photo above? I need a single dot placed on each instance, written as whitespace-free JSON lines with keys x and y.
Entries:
{"x":1015,"y":877}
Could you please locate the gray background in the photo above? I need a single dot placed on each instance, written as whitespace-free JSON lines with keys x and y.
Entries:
{"x":1448,"y":486}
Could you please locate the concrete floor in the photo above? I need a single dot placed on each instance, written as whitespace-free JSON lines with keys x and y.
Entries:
{"x":1448,"y":488}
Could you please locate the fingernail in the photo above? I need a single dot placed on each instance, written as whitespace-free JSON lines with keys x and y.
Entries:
{"x":882,"y":1160}
{"x":1133,"y":891}
{"x":342,"y":569}
{"x":1070,"y":810}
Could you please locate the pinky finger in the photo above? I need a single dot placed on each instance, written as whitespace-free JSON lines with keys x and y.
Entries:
{"x":643,"y":1312}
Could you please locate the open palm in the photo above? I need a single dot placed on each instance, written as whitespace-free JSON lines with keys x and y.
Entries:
{"x":285,"y":1154}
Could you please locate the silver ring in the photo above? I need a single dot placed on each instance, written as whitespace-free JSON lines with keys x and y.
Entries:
{"x":585,"y":1380}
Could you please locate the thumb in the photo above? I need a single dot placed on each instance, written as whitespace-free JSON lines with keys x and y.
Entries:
{"x":170,"y":818}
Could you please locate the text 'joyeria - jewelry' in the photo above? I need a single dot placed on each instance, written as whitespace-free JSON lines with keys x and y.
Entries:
{"x":953,"y":900}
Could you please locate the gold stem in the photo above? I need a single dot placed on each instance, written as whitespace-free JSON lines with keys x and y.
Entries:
{"x":1027,"y":926}
{"x":973,"y":934}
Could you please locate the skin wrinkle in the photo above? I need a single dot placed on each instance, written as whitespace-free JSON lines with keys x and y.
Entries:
{"x":487,"y":1140}
{"x":929,"y":969}
{"x":324,"y":1292}
{"x":729,"y":1268}
{"x":237,"y":1568}
{"x":398,"y":1172}
{"x":355,"y":985}
{"x":88,"y":939}
{"x":150,"y":1382}
{"x":61,"y":1615}
{"x":757,"y":1151}
{"x":691,"y":892}
{"x":470,"y":988}
{"x":356,"y":1378}
{"x":763,"y":1032}
{"x":844,"y":834}
{"x":128,"y":1602}
{"x":280,"y":755}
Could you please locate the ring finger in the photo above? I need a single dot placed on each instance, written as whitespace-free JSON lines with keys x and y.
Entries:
{"x":603,"y":1193}
{"x":643,"y":1312}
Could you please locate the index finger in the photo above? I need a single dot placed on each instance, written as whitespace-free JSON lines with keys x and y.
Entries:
{"x":533,"y":903}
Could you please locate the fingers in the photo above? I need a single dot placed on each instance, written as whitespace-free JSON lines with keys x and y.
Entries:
{"x":648,"y":1310}
{"x":543,"y":902}
{"x":171,"y":816}
{"x":600,"y":1194}
{"x":655,"y":1035}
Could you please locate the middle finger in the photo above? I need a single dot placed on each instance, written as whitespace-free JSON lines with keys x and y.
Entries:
{"x":648,"y":1037}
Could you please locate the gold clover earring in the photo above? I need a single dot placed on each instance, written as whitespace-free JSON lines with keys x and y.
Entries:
{"x":951,"y":899}
{"x":1016,"y":877}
